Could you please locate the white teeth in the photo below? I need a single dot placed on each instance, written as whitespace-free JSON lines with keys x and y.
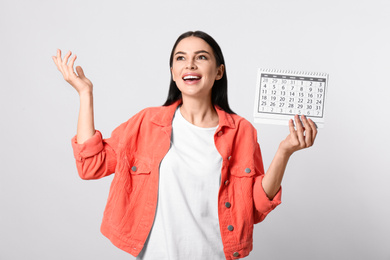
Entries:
{"x":191,"y":77}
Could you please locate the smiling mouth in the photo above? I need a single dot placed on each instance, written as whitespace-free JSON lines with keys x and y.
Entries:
{"x":191,"y":78}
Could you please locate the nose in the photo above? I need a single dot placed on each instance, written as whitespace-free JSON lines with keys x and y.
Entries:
{"x":191,"y":64}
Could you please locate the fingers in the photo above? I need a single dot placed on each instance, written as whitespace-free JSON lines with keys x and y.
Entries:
{"x":57,"y":59}
{"x":314,"y":130}
{"x":71,"y":64}
{"x":80,"y":72}
{"x":303,"y":133}
{"x":310,"y":132}
{"x":300,"y":132}
{"x":291,"y":127}
{"x":66,"y":57}
{"x":65,"y":66}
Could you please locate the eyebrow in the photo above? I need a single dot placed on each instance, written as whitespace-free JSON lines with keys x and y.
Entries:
{"x":197,"y":52}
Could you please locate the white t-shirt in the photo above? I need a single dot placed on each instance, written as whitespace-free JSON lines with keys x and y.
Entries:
{"x":186,"y":225}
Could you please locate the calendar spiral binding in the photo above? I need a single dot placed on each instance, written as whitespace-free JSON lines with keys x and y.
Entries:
{"x":296,"y":72}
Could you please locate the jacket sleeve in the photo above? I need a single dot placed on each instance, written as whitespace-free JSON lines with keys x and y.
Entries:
{"x":97,"y":157}
{"x":262,"y":204}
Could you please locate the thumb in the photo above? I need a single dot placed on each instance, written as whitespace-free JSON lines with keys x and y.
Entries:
{"x":80,"y":72}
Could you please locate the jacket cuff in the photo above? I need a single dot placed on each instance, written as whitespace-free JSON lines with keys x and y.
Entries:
{"x":89,"y":148}
{"x":262,"y":203}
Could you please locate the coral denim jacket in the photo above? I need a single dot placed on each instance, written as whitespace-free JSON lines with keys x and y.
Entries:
{"x":134,"y":152}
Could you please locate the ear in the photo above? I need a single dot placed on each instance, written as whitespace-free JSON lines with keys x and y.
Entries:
{"x":173,"y":75}
{"x":221,"y":70}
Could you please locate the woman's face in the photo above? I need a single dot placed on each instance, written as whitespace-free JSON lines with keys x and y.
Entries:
{"x":194,"y":68}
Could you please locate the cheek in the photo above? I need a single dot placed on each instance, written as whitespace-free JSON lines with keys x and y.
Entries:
{"x":213,"y":74}
{"x":176,"y":72}
{"x":173,"y":74}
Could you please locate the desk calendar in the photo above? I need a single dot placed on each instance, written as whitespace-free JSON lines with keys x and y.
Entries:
{"x":282,"y":94}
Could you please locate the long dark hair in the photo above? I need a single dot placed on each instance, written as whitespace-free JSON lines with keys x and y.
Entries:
{"x":219,"y":95}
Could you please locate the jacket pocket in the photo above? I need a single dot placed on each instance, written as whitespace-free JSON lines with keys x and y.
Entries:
{"x":243,"y":179}
{"x":138,"y":171}
{"x":139,"y":167}
{"x":125,"y":190}
{"x":242,"y":171}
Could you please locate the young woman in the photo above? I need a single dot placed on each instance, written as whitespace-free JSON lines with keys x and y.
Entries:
{"x":189,"y":180}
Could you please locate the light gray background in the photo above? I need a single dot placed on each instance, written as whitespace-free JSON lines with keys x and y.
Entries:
{"x":336,"y":196}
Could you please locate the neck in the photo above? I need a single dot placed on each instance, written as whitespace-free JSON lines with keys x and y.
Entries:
{"x":199,"y":112}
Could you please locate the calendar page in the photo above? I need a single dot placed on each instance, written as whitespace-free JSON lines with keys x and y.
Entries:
{"x":282,"y":94}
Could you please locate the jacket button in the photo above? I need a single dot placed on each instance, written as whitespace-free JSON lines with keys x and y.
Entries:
{"x":247,"y":170}
{"x":230,"y":228}
{"x":226,"y":182}
{"x":134,"y":168}
{"x":230,"y":157}
{"x":219,"y":133}
{"x":227,"y":204}
{"x":235,"y":254}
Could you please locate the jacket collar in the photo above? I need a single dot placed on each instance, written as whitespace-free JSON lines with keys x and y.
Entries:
{"x":225,"y":119}
{"x":164,"y":116}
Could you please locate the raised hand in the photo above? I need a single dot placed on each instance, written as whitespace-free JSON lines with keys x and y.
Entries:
{"x":78,"y":81}
{"x":85,"y":125}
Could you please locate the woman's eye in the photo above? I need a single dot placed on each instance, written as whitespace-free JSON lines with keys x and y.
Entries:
{"x":180,"y":58}
{"x":202,"y":57}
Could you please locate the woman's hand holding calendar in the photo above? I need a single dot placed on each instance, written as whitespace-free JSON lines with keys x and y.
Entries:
{"x":301,"y":137}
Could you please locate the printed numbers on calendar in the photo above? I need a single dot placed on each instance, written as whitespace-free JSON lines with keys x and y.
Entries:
{"x":290,"y":95}
{"x":282,"y":94}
